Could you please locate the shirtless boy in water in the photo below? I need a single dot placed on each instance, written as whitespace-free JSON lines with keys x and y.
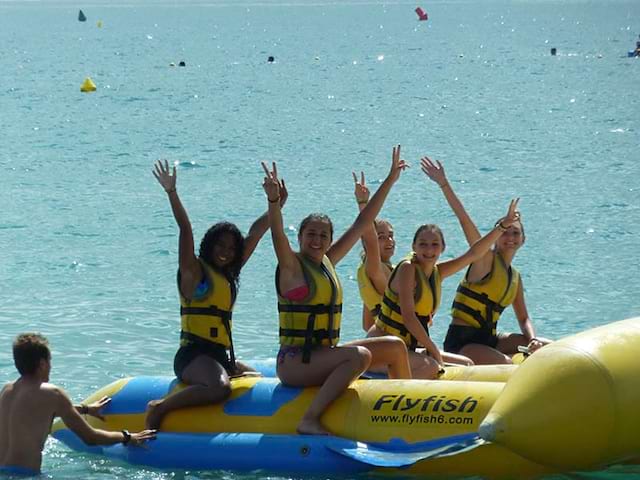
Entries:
{"x":29,"y":405}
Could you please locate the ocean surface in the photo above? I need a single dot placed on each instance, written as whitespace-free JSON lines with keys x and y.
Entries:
{"x":88,"y":243}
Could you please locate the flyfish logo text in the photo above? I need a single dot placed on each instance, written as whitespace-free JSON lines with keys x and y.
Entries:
{"x":434,"y":403}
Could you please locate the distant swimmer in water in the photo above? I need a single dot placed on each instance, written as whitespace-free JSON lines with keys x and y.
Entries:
{"x":271,"y":59}
{"x":490,"y":285}
{"x":374,"y":270}
{"x":636,"y":52}
{"x":182,"y":64}
{"x":29,"y":405}
{"x":310,"y":305}
{"x":553,"y":51}
{"x":207,"y":284}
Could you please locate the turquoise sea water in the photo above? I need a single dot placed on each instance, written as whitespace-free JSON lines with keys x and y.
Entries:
{"x":89,"y":246}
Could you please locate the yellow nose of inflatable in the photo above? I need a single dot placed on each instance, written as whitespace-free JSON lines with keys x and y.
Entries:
{"x":574,"y":404}
{"x":88,"y":85}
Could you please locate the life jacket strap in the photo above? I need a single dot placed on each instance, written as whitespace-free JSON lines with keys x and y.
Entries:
{"x":211,"y":311}
{"x":487,"y":323}
{"x":402,"y":329}
{"x":481,"y":297}
{"x":311,"y":309}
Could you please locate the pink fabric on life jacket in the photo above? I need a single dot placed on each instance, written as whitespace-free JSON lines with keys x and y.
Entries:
{"x":297,"y":294}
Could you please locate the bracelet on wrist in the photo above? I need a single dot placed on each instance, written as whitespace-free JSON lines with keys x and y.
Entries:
{"x":126,"y":437}
{"x":445,"y":185}
{"x":273,"y":201}
{"x":83,"y":409}
{"x":362,"y":202}
{"x":171,"y":190}
{"x":500,"y":226}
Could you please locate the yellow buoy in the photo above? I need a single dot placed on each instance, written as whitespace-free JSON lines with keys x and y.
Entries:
{"x":88,"y":85}
{"x":99,"y":23}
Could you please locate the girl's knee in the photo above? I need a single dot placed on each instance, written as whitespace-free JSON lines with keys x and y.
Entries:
{"x":466,"y":361}
{"x":362,"y":358}
{"x":395,"y":344}
{"x":220,"y":391}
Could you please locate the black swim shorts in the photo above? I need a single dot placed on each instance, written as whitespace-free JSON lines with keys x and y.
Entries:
{"x":460,"y":335}
{"x":190,"y":350}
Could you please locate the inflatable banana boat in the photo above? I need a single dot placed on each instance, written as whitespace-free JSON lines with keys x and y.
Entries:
{"x":570,"y":406}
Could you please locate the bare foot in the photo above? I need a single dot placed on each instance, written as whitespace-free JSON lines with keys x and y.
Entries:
{"x":154,"y":415}
{"x":311,"y":427}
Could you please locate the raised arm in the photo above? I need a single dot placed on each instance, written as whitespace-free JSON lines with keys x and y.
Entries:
{"x":190,"y":269}
{"x":366,"y":217}
{"x":260,"y":226}
{"x":435,"y":171}
{"x":287,"y":260}
{"x":482,"y":246}
{"x":406,"y":287}
{"x":372,"y":264}
{"x":93,"y":436}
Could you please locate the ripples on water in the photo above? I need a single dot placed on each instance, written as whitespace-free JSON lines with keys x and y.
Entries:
{"x":90,"y":248}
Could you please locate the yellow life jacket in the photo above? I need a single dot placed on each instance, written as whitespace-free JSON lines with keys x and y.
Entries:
{"x":426,"y":297}
{"x":207,"y":317}
{"x":480,"y":303}
{"x":370,"y":296}
{"x":316,"y":319}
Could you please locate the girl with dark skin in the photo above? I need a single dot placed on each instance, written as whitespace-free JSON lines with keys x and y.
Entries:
{"x":332,"y":367}
{"x":200,"y":363}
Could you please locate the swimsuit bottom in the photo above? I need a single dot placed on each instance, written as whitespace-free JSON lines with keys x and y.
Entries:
{"x":460,"y":335}
{"x":190,"y":350}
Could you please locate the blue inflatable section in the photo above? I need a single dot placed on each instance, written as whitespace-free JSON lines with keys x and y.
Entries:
{"x":137,"y":392}
{"x":263,"y":400}
{"x":245,"y":452}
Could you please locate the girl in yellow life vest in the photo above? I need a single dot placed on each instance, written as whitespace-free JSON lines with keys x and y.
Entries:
{"x":207,"y":285}
{"x":413,"y":294}
{"x":375,"y":269}
{"x":310,"y":305}
{"x":490,"y":285}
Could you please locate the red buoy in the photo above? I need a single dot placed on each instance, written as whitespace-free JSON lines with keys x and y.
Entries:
{"x":422,"y":15}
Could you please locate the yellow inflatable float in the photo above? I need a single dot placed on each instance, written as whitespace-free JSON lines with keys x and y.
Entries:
{"x":570,"y":406}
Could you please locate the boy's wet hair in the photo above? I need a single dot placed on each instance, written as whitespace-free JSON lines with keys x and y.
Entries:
{"x":28,"y":350}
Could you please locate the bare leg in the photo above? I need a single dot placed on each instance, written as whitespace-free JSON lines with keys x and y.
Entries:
{"x":457,"y":359}
{"x":484,"y":355}
{"x":208,"y":384}
{"x":423,"y":366}
{"x":388,"y":353}
{"x":508,"y":343}
{"x":333,"y":368}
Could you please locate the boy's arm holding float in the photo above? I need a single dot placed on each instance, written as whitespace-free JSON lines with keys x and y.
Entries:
{"x":69,"y":414}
